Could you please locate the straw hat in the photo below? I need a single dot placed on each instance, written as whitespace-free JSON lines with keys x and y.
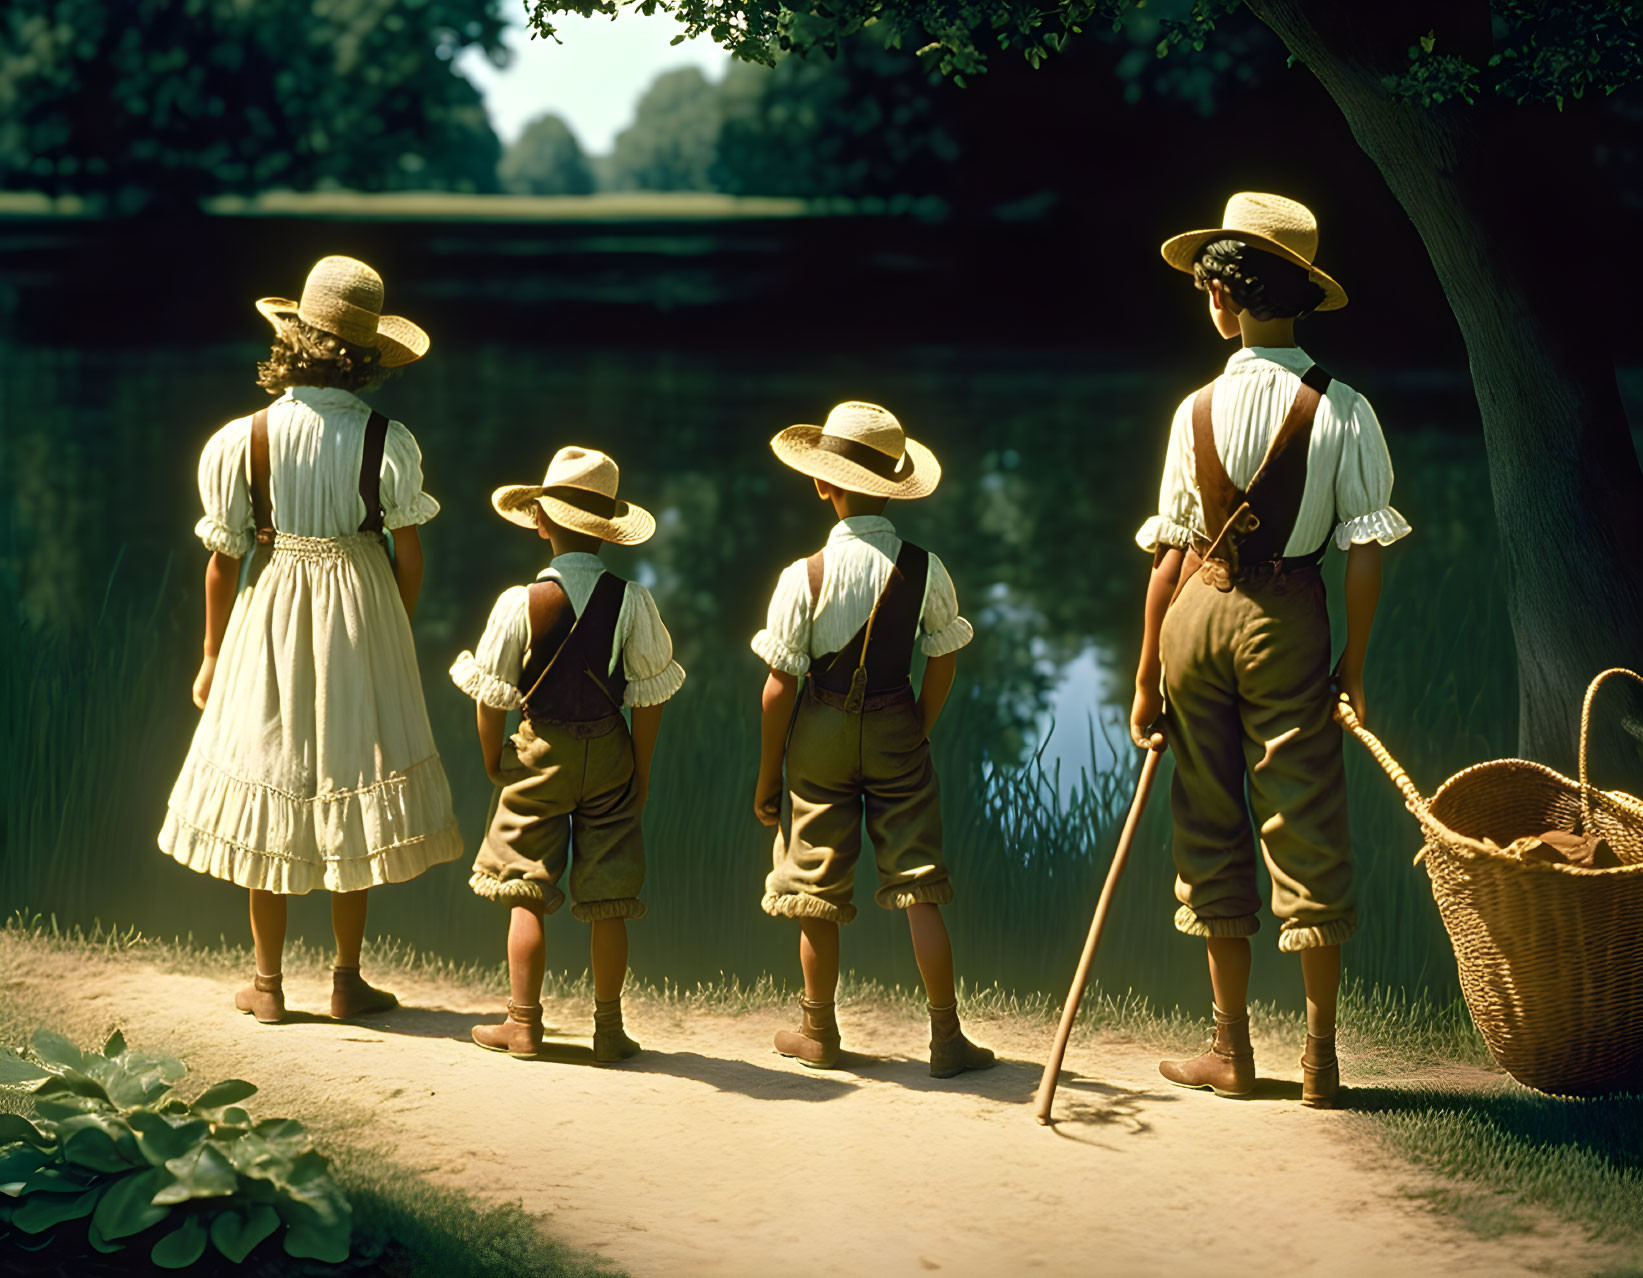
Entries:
{"x":343,"y":297}
{"x":579,"y":493}
{"x":1278,"y":226}
{"x":863,"y":449}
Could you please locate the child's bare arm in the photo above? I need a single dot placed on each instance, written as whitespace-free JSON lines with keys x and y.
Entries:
{"x":1363,"y":593}
{"x":222,"y":575}
{"x":1149,"y":698}
{"x":647,"y":722}
{"x":408,"y":566}
{"x":776,"y":710}
{"x":492,"y":727}
{"x":932,"y":692}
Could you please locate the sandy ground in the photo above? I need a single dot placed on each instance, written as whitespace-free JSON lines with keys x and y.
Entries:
{"x":709,"y":1154}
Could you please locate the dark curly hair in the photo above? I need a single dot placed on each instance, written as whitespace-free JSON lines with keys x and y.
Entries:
{"x":303,"y":355}
{"x":1264,"y":284}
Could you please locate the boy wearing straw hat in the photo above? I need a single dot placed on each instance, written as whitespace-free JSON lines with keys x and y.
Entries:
{"x":1265,"y":467}
{"x":569,"y":652}
{"x":856,"y":739}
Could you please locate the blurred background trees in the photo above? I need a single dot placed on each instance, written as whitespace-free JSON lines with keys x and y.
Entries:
{"x":546,"y":159}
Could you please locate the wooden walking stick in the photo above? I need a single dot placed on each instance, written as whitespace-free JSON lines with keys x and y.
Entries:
{"x":1069,"y":1013}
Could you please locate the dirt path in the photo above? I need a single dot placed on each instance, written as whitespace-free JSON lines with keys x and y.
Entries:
{"x":709,"y":1154}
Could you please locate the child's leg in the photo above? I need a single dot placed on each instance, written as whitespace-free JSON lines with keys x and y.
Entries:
{"x":1321,"y":971}
{"x":1229,"y":1065}
{"x":1229,"y":963}
{"x":350,"y":994}
{"x":608,"y":949}
{"x":819,"y":958}
{"x":268,"y":930}
{"x":527,"y":956}
{"x":950,"y":1052}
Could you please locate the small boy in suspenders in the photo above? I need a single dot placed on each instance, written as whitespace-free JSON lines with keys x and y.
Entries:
{"x":569,"y":652}
{"x":856,"y":739}
{"x":1265,"y":467}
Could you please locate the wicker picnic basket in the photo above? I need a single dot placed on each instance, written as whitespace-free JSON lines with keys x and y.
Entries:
{"x":1550,"y":954}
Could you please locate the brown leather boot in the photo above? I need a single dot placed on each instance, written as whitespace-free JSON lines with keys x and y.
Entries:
{"x":950,"y":1052}
{"x":610,"y":1040}
{"x":1229,"y":1065}
{"x":816,"y":1042}
{"x":520,"y":1035}
{"x":1320,"y":1073}
{"x":351,"y":996}
{"x":264,"y":998}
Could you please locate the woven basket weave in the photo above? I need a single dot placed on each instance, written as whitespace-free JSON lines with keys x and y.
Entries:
{"x":1550,"y":955}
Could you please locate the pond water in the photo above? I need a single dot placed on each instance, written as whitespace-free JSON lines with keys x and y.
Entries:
{"x":1050,"y":462}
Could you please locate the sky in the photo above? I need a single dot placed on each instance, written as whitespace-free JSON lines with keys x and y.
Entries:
{"x":593,"y":79}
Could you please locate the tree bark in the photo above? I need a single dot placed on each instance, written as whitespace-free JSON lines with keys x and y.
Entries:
{"x":1564,"y":473}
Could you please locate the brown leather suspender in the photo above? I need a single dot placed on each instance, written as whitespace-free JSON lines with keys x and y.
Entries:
{"x":551,"y":621}
{"x":558,"y":635}
{"x":871,"y":668}
{"x":370,"y":472}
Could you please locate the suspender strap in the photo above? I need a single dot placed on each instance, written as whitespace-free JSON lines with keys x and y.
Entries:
{"x":879,"y":669}
{"x":262,"y":505}
{"x":370,"y":473}
{"x":551,"y":621}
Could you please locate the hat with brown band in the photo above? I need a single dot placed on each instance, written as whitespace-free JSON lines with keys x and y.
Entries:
{"x":862,"y":449}
{"x":343,"y":296}
{"x":1283,"y":227}
{"x":578,"y":493}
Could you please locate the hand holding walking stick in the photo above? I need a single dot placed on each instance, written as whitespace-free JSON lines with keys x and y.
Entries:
{"x":1052,"y":1070}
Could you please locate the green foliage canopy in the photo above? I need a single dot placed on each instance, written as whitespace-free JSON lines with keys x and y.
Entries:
{"x":546,"y":159}
{"x":671,"y":144}
{"x":136,"y":101}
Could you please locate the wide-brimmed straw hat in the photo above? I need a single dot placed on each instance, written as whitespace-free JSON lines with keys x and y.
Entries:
{"x":862,"y":448}
{"x":343,"y":296}
{"x":579,"y":493}
{"x":1282,"y":227}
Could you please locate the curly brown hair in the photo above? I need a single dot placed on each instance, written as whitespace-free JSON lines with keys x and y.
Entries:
{"x":303,"y":355}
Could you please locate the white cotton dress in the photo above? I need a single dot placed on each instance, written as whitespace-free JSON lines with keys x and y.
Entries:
{"x":313,"y":765}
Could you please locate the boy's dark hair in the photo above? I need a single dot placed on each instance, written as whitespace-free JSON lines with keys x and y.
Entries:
{"x":1264,"y":284}
{"x":303,"y":355}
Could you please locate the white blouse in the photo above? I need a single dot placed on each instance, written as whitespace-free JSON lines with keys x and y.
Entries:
{"x":856,"y":564}
{"x":493,"y":672}
{"x":316,"y":438}
{"x":1348,"y":469}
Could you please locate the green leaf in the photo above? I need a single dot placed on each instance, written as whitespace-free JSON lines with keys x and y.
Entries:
{"x":253,"y":1156}
{"x":200,"y":1173}
{"x":57,"y":1177}
{"x":228,"y":1092}
{"x":71,"y":1082}
{"x":308,"y":1238}
{"x":14,"y":1127}
{"x":95,"y":1237}
{"x":237,"y":1233}
{"x":161,"y":1139}
{"x":128,"y":1207}
{"x":14,"y":1069}
{"x":54,"y":1049}
{"x":116,"y":1045}
{"x":285,"y":1135}
{"x":18,"y":1166}
{"x":94,"y":1148}
{"x":43,"y":1211}
{"x":182,"y":1246}
{"x":66,"y":1106}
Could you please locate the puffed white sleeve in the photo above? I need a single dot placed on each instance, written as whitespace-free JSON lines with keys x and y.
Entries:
{"x":647,"y":652}
{"x":491,"y":674}
{"x":403,"y":501}
{"x":225,"y":491}
{"x":942,"y":630}
{"x":784,"y":643}
{"x":1178,"y":519}
{"x":1363,"y":483}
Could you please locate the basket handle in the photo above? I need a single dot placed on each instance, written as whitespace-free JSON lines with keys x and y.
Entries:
{"x":1585,"y":732}
{"x":1348,"y":719}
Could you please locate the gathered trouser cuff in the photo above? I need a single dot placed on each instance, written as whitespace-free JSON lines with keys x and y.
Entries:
{"x":1293,"y":938}
{"x":801,"y":905}
{"x":542,"y":896}
{"x":1240,"y":925}
{"x":627,"y":907}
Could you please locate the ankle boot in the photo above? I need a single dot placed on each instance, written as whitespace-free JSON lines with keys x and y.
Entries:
{"x":816,"y":1042}
{"x":351,"y":996}
{"x":520,"y":1035}
{"x":610,"y":1041}
{"x":264,"y":998}
{"x":950,"y":1052}
{"x":1320,"y":1073}
{"x":1229,"y":1065}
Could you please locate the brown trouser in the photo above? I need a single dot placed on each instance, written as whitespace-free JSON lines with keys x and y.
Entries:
{"x":841,"y":767}
{"x":1246,"y":682}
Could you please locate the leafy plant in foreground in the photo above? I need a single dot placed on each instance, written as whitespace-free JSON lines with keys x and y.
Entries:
{"x":111,"y":1143}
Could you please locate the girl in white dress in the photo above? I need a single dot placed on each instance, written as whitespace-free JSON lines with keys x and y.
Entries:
{"x":314,"y":765}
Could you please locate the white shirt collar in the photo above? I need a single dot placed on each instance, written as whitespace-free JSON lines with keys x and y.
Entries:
{"x":324,"y":397}
{"x":1291,"y":357}
{"x":578,"y":560}
{"x":860,"y":526}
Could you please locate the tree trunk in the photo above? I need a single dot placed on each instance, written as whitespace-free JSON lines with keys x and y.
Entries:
{"x":1564,"y":473}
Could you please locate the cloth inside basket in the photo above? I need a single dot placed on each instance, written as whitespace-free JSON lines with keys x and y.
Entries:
{"x":1562,"y":847}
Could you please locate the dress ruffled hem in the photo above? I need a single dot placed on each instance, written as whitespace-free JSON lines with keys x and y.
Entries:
{"x":656,"y":689}
{"x":950,"y":638}
{"x":222,"y":539}
{"x":1161,"y":531}
{"x":259,"y":836}
{"x":779,"y":656}
{"x":483,"y":686}
{"x":1384,"y":525}
{"x":419,"y":510}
